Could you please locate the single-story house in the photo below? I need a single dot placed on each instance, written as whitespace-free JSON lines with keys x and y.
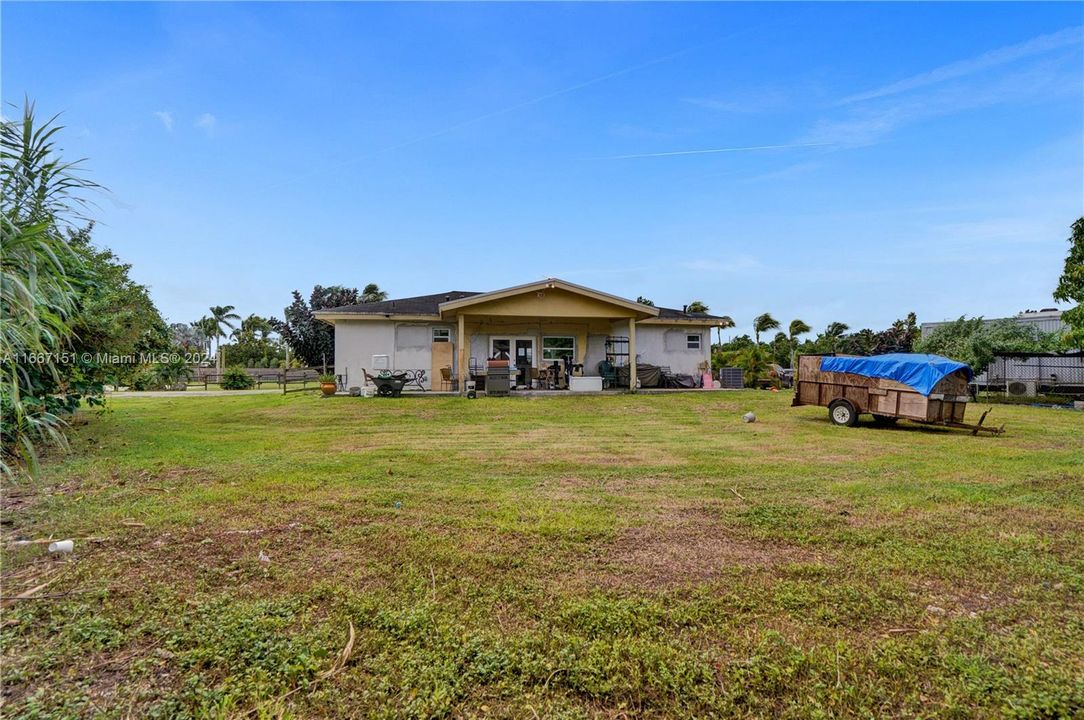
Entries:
{"x":535,"y":325}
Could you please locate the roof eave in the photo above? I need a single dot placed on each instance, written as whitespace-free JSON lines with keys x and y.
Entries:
{"x":548,"y":283}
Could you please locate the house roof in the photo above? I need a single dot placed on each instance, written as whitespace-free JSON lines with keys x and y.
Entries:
{"x":646,"y":311}
{"x":418,"y":305}
{"x":432,"y":305}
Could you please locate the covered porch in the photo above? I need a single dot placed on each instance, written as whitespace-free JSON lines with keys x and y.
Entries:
{"x":549,"y":332}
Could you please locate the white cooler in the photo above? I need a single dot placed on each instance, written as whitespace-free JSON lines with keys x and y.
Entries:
{"x":585,"y":384}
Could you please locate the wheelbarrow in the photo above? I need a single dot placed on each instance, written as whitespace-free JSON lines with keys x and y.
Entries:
{"x":390,"y":385}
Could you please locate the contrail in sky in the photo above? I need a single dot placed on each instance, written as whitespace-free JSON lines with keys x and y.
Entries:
{"x":520,"y":105}
{"x":710,"y":151}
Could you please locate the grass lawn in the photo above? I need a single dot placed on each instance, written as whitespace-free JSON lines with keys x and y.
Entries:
{"x":625,"y":556}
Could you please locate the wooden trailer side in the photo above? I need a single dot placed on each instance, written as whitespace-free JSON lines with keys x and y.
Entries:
{"x":868,"y":395}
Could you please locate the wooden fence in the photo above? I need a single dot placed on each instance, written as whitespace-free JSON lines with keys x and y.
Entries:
{"x":206,"y":376}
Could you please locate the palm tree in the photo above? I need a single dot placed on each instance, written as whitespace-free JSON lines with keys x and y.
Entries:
{"x":697,"y":306}
{"x":763,"y":323}
{"x":372,"y":293}
{"x":796,"y":328}
{"x":223,"y":317}
{"x":254,"y":327}
{"x":834,"y":332}
{"x":721,"y":324}
{"x":206,"y":327}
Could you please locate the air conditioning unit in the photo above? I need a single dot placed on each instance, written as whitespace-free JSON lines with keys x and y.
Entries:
{"x":1022,"y":388}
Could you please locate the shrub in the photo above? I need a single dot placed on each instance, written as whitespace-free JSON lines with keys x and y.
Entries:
{"x":327,"y":378}
{"x":235,"y":378}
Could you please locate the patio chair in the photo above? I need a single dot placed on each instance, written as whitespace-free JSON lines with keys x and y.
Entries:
{"x":608,"y":372}
{"x":447,"y":382}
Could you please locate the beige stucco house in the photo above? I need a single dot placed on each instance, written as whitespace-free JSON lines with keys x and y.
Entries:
{"x":534,"y":324}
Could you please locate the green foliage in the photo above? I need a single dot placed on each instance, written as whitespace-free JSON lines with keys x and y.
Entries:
{"x":754,"y":360}
{"x":114,"y":314}
{"x":164,"y":375}
{"x":371,"y":293}
{"x":235,"y":378}
{"x":763,"y":323}
{"x":796,"y":329}
{"x":697,"y":306}
{"x":327,"y":378}
{"x":975,"y":341}
{"x":43,"y":197}
{"x":313,"y":341}
{"x":644,"y":301}
{"x":254,"y":346}
{"x":1071,"y":287}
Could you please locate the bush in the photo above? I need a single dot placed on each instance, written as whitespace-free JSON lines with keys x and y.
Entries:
{"x":235,"y":378}
{"x":975,"y":342}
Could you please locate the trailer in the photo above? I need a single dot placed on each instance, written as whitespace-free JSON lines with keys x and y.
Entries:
{"x":900,"y":386}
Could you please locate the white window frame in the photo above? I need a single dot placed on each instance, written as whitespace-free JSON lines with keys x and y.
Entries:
{"x":572,"y":350}
{"x":689,"y":341}
{"x":445,"y":335}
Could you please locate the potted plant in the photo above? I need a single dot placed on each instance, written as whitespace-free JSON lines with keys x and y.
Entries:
{"x":328,"y":384}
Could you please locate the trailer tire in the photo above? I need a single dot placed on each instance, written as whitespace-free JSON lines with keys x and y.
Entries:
{"x":842,"y":412}
{"x":885,"y":419}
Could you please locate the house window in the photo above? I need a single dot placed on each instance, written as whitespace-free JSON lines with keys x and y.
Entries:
{"x":692,"y":342}
{"x":555,"y":348}
{"x":442,"y":334}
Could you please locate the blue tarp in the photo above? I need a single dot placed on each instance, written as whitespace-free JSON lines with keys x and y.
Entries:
{"x":922,"y":372}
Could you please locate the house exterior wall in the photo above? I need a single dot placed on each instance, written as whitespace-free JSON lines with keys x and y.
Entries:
{"x":409,"y":344}
{"x":666,"y":345}
{"x":356,"y":341}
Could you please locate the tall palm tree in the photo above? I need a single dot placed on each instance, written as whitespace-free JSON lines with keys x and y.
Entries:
{"x":763,"y":323}
{"x":797,"y":328}
{"x":206,"y":327}
{"x":721,"y":324}
{"x":834,"y":332}
{"x":223,"y":317}
{"x":254,"y":327}
{"x":372,"y":293}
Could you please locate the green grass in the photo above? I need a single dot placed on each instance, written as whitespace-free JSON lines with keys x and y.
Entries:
{"x":623,"y":556}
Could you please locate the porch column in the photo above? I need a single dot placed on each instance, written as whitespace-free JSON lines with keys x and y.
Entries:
{"x":632,"y":354}
{"x":461,"y":366}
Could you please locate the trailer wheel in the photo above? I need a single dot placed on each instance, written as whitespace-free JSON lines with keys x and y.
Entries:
{"x":842,"y":412}
{"x":885,"y":419}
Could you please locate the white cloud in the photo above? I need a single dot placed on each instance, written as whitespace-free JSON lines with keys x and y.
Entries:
{"x":871,"y":122}
{"x":736,"y":264}
{"x":166,"y":119}
{"x":993,"y":58}
{"x":712,"y":151}
{"x":207,"y":123}
{"x":746,"y":101}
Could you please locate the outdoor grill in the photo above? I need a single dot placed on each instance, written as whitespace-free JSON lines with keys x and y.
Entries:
{"x":497,"y":377}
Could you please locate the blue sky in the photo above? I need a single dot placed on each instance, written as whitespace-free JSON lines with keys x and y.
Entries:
{"x":925,"y":157}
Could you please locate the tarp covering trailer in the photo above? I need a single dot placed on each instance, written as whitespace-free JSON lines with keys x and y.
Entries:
{"x":909,"y":386}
